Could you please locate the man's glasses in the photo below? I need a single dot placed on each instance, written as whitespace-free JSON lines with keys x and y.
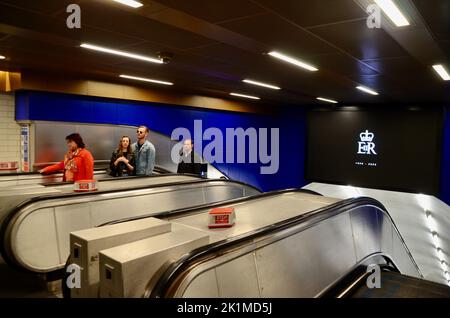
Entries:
{"x":140,"y":132}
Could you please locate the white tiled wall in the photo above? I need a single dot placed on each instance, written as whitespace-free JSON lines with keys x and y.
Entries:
{"x":9,"y":130}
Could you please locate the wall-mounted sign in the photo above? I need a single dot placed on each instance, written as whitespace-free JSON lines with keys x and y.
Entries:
{"x":366,"y":146}
{"x":25,"y":147}
{"x":386,"y":149}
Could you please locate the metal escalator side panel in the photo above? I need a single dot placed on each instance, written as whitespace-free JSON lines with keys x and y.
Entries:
{"x":56,"y":219}
{"x":312,"y":271}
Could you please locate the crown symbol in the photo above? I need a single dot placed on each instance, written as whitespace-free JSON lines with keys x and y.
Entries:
{"x":366,"y":136}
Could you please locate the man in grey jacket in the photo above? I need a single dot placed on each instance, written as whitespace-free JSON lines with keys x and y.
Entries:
{"x":145,"y":153}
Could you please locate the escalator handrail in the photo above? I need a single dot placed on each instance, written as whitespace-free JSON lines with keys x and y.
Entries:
{"x":183,"y":265}
{"x":4,"y":227}
{"x":157,"y":169}
{"x":343,"y":285}
{"x":34,"y":173}
{"x":183,"y":211}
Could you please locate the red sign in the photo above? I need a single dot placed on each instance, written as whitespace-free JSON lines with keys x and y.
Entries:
{"x":221,"y":219}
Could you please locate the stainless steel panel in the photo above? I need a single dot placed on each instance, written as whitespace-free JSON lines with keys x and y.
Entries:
{"x":163,"y":146}
{"x":50,"y":144}
{"x":366,"y":231}
{"x":126,"y":270}
{"x":26,"y":238}
{"x":214,"y":194}
{"x":204,"y":286}
{"x":303,"y":264}
{"x":240,"y":272}
{"x":402,"y":258}
{"x":68,"y":218}
{"x":386,"y":232}
{"x":86,"y":244}
{"x":98,"y":139}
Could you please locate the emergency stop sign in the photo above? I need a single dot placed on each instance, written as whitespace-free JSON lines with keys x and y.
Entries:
{"x":221,"y":217}
{"x":85,"y":185}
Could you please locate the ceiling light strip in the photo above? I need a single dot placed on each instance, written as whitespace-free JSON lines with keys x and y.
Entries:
{"x":130,"y":3}
{"x":143,"y":79}
{"x":367,"y":90}
{"x":393,"y":12}
{"x":293,"y":61}
{"x":245,"y":96}
{"x":439,"y":68}
{"x":120,"y":53}
{"x":260,"y":84}
{"x":327,"y":100}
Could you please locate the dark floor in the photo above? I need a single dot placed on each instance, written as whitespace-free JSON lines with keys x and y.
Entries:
{"x":14,"y":284}
{"x":394,"y":285}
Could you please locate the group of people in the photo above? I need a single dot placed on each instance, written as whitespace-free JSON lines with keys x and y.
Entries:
{"x":137,"y":159}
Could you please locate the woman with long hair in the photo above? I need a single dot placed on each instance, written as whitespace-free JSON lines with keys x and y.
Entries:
{"x":78,"y":163}
{"x":122,"y":161}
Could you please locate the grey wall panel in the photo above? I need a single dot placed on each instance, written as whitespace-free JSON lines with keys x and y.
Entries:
{"x":50,"y":145}
{"x":387,"y":232}
{"x":402,"y":258}
{"x":366,"y":231}
{"x":101,"y":141}
{"x":302,"y":265}
{"x":240,"y":272}
{"x":204,"y":286}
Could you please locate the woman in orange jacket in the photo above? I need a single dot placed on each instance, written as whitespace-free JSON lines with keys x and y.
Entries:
{"x":78,"y":163}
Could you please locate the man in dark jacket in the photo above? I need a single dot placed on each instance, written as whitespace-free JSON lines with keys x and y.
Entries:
{"x":189,"y":162}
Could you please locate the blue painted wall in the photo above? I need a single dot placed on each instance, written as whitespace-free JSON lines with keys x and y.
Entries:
{"x":445,"y":164}
{"x":164,"y":118}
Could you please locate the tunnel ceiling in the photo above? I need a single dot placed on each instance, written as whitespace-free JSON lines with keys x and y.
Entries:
{"x":218,"y":43}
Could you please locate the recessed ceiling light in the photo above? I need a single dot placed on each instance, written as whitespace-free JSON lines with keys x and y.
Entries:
{"x":439,"y":68}
{"x":146,"y":79}
{"x":131,"y":3}
{"x":260,"y":84}
{"x":245,"y":96}
{"x":293,"y":61}
{"x":367,"y":90}
{"x":121,"y":53}
{"x":2,"y":57}
{"x":327,"y":100}
{"x":393,"y":12}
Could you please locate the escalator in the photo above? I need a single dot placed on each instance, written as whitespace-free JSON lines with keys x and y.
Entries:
{"x":172,"y":215}
{"x":321,"y":247}
{"x":313,"y":250}
{"x":34,"y":235}
{"x":361,"y":283}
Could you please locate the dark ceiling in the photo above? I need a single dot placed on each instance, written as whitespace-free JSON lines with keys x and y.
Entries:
{"x":217,"y":43}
